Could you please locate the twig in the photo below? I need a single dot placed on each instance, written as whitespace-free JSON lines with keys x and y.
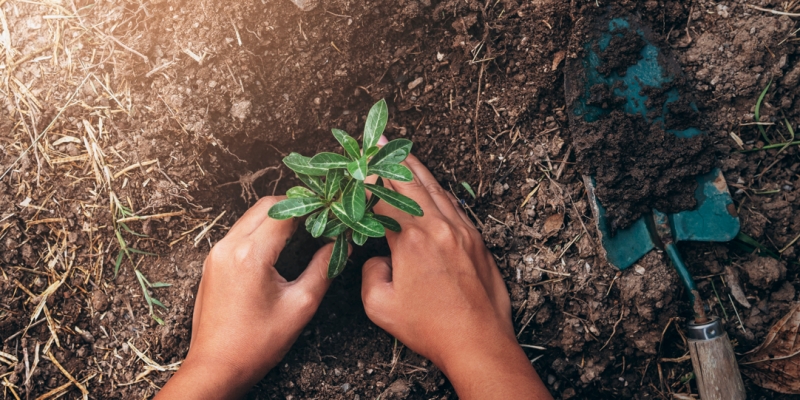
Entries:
{"x":774,"y":11}
{"x":613,"y":332}
{"x":154,"y":216}
{"x":69,"y":376}
{"x":115,"y":40}
{"x":206,"y":229}
{"x":134,"y":166}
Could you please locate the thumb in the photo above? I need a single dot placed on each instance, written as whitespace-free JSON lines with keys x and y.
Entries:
{"x":314,"y":282}
{"x":376,"y":279}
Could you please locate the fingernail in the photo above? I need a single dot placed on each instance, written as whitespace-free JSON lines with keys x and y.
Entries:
{"x":383,"y":140}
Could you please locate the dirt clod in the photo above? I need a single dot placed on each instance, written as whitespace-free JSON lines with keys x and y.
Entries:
{"x":764,"y":271}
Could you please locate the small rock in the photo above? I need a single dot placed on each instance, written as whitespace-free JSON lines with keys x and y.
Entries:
{"x":553,"y":223}
{"x":241,"y":109}
{"x":399,"y":389}
{"x":99,"y":301}
{"x":413,"y":84}
{"x":498,"y":189}
{"x":345,"y":387}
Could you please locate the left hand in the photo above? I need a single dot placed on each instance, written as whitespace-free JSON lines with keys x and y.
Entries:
{"x":246,"y":315}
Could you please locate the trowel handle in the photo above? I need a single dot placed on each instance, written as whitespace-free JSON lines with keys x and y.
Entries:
{"x":715,"y":367}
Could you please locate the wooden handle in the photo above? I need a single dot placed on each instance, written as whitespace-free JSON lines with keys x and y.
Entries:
{"x":715,"y":369}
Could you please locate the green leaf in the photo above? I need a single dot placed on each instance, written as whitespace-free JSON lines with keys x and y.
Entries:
{"x":328,"y":161}
{"x":294,"y":208}
{"x":373,"y":200}
{"x":392,"y":153}
{"x":319,"y":224}
{"x":354,"y":200}
{"x":396,"y":200}
{"x":335,"y":227}
{"x":387,"y":222}
{"x":372,"y":151}
{"x":376,"y":123}
{"x":359,"y":239}
{"x":302,"y":165}
{"x":468,"y":188}
{"x":395,"y":172}
{"x":332,"y":181}
{"x":338,"y":257}
{"x":313,"y":182}
{"x":160,"y":285}
{"x":358,"y":168}
{"x":144,"y":253}
{"x":118,"y":262}
{"x":366,"y":226}
{"x":349,"y":144}
{"x":310,"y":221}
{"x":122,"y":224}
{"x":299,"y":192}
{"x":158,"y":303}
{"x":757,"y":113}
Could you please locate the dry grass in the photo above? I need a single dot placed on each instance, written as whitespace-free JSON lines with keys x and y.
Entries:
{"x":72,"y":191}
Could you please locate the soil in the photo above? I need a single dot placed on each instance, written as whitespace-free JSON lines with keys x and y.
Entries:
{"x":168,"y":105}
{"x":638,"y":166}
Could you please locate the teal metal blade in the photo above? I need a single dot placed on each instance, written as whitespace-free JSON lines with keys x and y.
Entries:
{"x":714,"y":218}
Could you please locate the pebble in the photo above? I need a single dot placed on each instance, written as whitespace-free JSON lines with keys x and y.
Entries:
{"x":416,"y":82}
{"x":345,"y":387}
{"x":99,"y":301}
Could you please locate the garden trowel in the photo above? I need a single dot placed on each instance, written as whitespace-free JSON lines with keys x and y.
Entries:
{"x":714,"y":219}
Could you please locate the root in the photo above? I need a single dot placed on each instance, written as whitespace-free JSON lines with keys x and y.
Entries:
{"x":247,"y":181}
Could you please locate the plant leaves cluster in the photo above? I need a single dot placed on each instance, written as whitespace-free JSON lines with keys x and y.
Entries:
{"x":334,"y":196}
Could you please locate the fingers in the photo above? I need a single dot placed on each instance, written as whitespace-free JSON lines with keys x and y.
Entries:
{"x":271,"y":236}
{"x":376,"y":281}
{"x":312,"y":284}
{"x":437,"y":193}
{"x":460,"y":210}
{"x":254,"y":216}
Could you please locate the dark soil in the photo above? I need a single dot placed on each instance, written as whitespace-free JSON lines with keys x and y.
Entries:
{"x":621,"y":53}
{"x":217,"y":91}
{"x":638,"y":166}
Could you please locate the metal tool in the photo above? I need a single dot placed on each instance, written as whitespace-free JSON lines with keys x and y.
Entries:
{"x":714,"y":219}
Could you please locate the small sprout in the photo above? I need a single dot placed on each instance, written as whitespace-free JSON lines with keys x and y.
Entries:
{"x":469,"y":189}
{"x":757,"y":113}
{"x":335,"y":197}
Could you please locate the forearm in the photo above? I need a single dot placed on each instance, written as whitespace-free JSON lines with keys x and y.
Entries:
{"x":497,"y":369}
{"x":197,"y":381}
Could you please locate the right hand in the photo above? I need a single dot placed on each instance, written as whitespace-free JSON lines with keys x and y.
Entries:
{"x":442,"y":295}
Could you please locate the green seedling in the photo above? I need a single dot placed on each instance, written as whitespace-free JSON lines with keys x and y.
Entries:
{"x":126,"y":251}
{"x":468,"y":188}
{"x":151,"y":301}
{"x":757,"y":113}
{"x":335,"y":192}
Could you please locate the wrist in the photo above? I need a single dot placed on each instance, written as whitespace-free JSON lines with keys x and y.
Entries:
{"x":496,"y":365}
{"x":200,"y":378}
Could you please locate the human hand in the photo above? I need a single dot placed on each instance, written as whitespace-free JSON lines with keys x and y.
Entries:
{"x":246,"y":315}
{"x":442,"y":295}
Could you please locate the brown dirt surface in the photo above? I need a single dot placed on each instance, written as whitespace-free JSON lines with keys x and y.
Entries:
{"x":165,"y":106}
